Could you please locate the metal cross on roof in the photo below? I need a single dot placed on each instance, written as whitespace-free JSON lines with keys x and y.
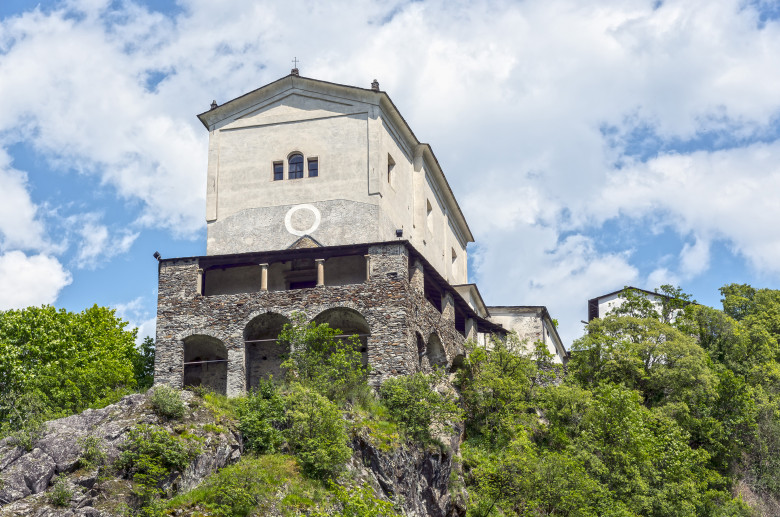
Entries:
{"x":295,"y":62}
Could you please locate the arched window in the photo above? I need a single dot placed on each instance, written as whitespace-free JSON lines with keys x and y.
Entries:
{"x":205,"y":363}
{"x":264,"y":354}
{"x":295,"y":166}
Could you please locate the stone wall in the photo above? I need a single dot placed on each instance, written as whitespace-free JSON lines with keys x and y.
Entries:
{"x":393,"y":310}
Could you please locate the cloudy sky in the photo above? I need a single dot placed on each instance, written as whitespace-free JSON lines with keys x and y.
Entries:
{"x":591,"y":145}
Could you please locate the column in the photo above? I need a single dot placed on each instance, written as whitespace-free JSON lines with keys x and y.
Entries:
{"x":471,"y":329}
{"x":418,"y":277}
{"x":448,"y":306}
{"x":199,"y":286}
{"x":320,"y":272}
{"x":368,"y":267}
{"x":263,"y":277}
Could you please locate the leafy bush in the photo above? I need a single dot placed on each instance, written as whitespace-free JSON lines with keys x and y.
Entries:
{"x":316,"y":432}
{"x":358,"y":502}
{"x":143,"y":365}
{"x":256,"y":485}
{"x":149,"y":455}
{"x":25,"y":417}
{"x":92,"y":453}
{"x":415,"y":404}
{"x":331,"y":366}
{"x":60,"y":493}
{"x":261,"y":418}
{"x":167,"y":403}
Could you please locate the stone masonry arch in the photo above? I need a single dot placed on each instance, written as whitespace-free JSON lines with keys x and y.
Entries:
{"x":350,"y":322}
{"x":205,"y":362}
{"x":264,"y":354}
{"x":434,"y":352}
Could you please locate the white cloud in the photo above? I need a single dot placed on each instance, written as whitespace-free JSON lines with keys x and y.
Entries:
{"x":96,"y":242}
{"x":530,"y":111}
{"x":20,"y":226}
{"x":30,"y":280}
{"x":726,"y":194}
{"x":135,"y":313}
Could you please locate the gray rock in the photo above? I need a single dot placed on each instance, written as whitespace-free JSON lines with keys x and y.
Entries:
{"x":25,"y":477}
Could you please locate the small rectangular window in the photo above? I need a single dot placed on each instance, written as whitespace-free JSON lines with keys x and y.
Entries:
{"x":278,"y":171}
{"x":390,"y":166}
{"x":313,"y":168}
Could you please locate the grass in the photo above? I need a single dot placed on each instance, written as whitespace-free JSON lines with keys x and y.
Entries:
{"x":256,"y":485}
{"x":373,"y":422}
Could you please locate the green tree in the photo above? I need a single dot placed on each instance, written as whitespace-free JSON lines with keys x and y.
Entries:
{"x":318,"y":359}
{"x":417,"y":406}
{"x":68,"y":361}
{"x":496,"y":388}
{"x":316,"y":432}
{"x":143,"y":364}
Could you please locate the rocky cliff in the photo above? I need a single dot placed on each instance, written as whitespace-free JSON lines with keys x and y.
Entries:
{"x":56,"y":477}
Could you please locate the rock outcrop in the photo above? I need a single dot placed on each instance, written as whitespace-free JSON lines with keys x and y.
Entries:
{"x":418,"y":479}
{"x":26,"y":478}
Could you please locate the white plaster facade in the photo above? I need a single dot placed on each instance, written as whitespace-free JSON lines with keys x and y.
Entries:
{"x":602,"y":305}
{"x":374,"y":176}
{"x":532,"y":324}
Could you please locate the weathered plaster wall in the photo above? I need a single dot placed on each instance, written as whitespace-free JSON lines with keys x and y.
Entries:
{"x":352,"y":200}
{"x":530,"y":326}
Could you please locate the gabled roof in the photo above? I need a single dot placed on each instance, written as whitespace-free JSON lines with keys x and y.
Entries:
{"x":211,"y":118}
{"x":631,"y":288}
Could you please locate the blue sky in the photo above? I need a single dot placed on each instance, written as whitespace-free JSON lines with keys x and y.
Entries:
{"x":591,"y":146}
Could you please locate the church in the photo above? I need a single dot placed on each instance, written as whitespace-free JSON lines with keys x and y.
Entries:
{"x":320,"y":200}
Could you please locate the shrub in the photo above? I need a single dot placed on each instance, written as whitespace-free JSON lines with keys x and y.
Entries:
{"x":316,"y":432}
{"x":261,"y":418}
{"x":359,"y":502}
{"x":26,"y":417}
{"x":167,"y":403}
{"x":415,"y":404}
{"x":270,"y":484}
{"x":92,"y":453}
{"x":149,"y":455}
{"x":330,"y":365}
{"x":60,"y":493}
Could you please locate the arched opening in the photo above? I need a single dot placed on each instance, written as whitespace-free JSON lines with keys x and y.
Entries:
{"x":264,"y":354}
{"x":350,"y":322}
{"x":434,"y":352}
{"x":205,"y":363}
{"x":457,"y":363}
{"x":420,"y":348}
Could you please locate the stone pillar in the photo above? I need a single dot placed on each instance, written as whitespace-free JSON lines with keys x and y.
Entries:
{"x":368,"y":267}
{"x":177,"y":284}
{"x":263,"y":277}
{"x":471,"y":329}
{"x":448,"y":306}
{"x":418,"y":277}
{"x":320,"y":272}
{"x":236,"y":369}
{"x":389,"y":261}
{"x":199,"y":285}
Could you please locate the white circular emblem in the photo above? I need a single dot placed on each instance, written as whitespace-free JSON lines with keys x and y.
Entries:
{"x":288,"y":220}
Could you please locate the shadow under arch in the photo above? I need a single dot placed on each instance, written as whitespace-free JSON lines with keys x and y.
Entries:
{"x":420,"y":348}
{"x":263,"y":353}
{"x":434,"y":352}
{"x":350,"y":322}
{"x":205,"y":363}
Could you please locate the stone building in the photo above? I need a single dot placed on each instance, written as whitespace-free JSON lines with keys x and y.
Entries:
{"x":533,"y":324}
{"x":322,"y":201}
{"x":600,"y":306}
